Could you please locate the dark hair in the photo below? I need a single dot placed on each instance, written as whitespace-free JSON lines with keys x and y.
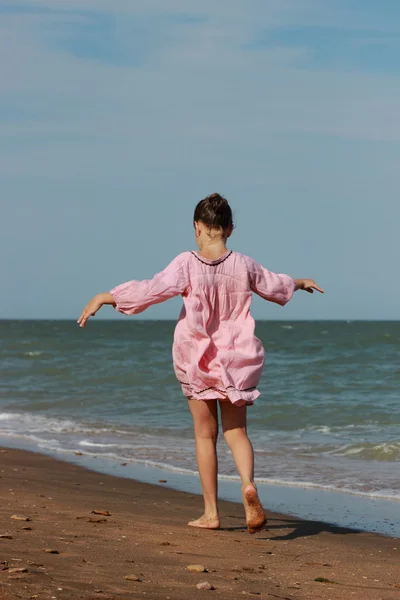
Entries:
{"x":215,"y":212}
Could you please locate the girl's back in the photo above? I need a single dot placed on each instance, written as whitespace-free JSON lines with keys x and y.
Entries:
{"x":215,"y":350}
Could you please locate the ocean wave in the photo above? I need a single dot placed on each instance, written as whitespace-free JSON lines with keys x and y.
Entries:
{"x":19,"y":422}
{"x":152,"y":449}
{"x":385,"y":451}
{"x":382,"y":494}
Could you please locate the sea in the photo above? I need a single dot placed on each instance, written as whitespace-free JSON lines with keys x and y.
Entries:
{"x":325,"y":430}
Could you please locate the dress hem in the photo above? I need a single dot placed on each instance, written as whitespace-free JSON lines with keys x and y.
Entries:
{"x":235,"y":396}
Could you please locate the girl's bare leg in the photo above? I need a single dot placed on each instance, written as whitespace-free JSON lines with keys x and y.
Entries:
{"x":205,"y":423}
{"x":234,"y":425}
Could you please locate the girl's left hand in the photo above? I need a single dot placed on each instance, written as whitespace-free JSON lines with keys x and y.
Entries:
{"x":90,"y":310}
{"x":308,"y":285}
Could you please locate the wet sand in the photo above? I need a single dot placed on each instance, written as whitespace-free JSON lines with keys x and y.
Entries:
{"x":64,"y":550}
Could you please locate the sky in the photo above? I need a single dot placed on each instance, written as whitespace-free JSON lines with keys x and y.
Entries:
{"x":118,"y":116}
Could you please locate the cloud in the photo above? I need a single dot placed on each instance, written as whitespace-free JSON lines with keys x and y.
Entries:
{"x":187,"y":74}
{"x":107,"y":101}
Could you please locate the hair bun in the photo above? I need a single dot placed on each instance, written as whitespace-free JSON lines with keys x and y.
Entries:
{"x":218,"y":202}
{"x":215,"y":212}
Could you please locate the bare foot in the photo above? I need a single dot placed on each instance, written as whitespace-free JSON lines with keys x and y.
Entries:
{"x":206,"y":522}
{"x":255,"y":517}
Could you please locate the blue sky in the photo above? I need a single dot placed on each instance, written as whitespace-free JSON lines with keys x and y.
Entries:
{"x":116,"y":117}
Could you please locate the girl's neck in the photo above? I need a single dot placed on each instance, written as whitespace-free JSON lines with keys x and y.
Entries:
{"x":213,"y":251}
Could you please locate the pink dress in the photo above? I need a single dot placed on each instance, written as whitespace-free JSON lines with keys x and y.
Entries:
{"x":216,"y":354}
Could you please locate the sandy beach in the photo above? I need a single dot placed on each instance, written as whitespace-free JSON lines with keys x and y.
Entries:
{"x":81,"y":534}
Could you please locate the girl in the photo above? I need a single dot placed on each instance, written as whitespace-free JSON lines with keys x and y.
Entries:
{"x":217,"y":358}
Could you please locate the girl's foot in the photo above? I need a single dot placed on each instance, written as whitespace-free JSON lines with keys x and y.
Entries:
{"x":206,"y":522}
{"x":255,"y":517}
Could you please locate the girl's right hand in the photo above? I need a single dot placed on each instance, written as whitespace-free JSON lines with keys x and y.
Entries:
{"x":308,"y":285}
{"x":90,"y":310}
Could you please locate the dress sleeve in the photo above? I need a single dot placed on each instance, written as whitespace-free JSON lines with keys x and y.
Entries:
{"x":278,"y":288}
{"x":133,"y":297}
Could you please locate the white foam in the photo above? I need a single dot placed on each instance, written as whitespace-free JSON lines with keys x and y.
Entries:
{"x":322,"y":429}
{"x":27,"y":421}
{"x":96,"y":444}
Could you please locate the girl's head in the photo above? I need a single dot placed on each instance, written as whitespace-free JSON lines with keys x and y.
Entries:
{"x":213,"y":219}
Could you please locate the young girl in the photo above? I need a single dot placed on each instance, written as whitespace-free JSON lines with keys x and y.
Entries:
{"x":217,"y":358}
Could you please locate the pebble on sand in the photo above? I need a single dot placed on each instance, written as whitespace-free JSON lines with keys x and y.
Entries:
{"x":132,"y":578}
{"x":205,"y":585}
{"x":105,"y":513}
{"x":6,"y":536}
{"x":197,"y":568}
{"x":20,"y":518}
{"x":17,"y":570}
{"x":323,"y":580}
{"x":51,"y":551}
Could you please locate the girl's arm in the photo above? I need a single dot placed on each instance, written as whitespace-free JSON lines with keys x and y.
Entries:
{"x":94,"y":305}
{"x":278,"y":288}
{"x":133,"y":297}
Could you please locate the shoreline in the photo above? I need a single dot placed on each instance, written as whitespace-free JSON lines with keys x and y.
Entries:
{"x":341,"y":509}
{"x":145,"y":535}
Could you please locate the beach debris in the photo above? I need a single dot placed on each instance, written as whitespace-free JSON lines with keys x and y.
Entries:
{"x":162,"y":481}
{"x":105,"y":513}
{"x":99,"y":591}
{"x":205,"y":585}
{"x":20,"y":518}
{"x":18,"y":570}
{"x":51,"y":551}
{"x":132,"y":578}
{"x":27,"y":528}
{"x":323,"y":580}
{"x":78,"y":453}
{"x":6,"y":536}
{"x":123,"y":464}
{"x":197,"y":568}
{"x":34,"y":564}
{"x":92,"y":520}
{"x":251,"y":593}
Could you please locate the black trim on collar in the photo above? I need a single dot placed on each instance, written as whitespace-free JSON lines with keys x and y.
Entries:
{"x":212,"y":264}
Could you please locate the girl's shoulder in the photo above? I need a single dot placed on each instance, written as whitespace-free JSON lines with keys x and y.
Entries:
{"x":239,"y":260}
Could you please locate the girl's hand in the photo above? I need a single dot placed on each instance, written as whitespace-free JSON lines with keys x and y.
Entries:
{"x":90,"y":310}
{"x":94,"y":305}
{"x":308,"y":285}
